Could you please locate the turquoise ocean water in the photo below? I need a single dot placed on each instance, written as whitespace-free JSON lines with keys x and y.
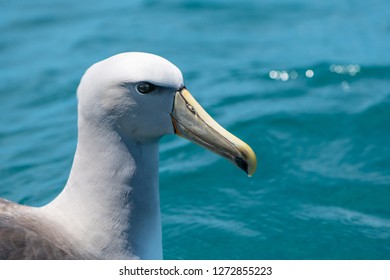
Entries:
{"x":306,"y":83}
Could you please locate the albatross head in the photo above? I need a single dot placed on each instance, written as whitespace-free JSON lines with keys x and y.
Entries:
{"x":144,"y":97}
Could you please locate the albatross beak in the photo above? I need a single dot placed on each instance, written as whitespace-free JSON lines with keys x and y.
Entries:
{"x":192,"y":122}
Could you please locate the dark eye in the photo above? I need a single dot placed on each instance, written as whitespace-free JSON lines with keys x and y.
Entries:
{"x":145,"y":87}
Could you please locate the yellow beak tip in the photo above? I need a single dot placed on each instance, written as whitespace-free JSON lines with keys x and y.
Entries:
{"x":248,"y":162}
{"x":252,"y":168}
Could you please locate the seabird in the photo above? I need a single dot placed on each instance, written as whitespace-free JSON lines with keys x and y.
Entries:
{"x":110,"y":206}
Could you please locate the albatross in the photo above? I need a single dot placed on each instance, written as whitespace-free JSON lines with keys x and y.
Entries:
{"x":110,"y":206}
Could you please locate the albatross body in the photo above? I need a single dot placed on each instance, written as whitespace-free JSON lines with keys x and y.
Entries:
{"x":110,"y":205}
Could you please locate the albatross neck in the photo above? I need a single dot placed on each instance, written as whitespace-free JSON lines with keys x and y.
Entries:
{"x":110,"y":204}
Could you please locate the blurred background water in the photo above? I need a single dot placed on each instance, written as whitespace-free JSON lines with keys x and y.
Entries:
{"x":305,"y":83}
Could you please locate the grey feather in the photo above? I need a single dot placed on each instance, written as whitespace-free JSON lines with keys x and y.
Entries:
{"x":23,"y":238}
